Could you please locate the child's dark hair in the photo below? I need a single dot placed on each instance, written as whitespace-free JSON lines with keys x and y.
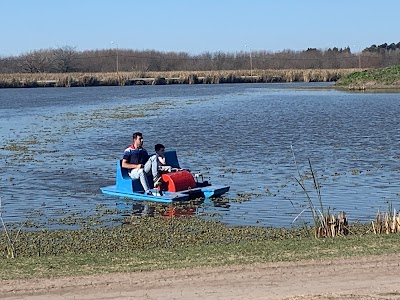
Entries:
{"x":158,"y":147}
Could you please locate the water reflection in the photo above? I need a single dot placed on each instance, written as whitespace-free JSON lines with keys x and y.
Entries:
{"x":200,"y":207}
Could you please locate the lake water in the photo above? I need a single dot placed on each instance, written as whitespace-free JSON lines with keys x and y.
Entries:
{"x":59,"y":146}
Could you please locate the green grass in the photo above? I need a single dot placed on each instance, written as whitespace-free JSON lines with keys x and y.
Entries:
{"x":385,"y":76}
{"x":246,"y":252}
{"x":161,"y":243}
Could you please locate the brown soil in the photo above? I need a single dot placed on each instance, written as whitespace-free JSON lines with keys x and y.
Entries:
{"x":374,"y":277}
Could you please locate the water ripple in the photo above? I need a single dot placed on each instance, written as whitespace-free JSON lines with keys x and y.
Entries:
{"x":55,"y":156}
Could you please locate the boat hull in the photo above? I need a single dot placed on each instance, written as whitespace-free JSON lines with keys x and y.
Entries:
{"x":127,"y":187}
{"x":168,"y":197}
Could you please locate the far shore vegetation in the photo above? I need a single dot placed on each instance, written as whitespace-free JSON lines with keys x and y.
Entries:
{"x":21,"y":80}
{"x":349,"y":79}
{"x":373,"y":79}
{"x":67,"y":67}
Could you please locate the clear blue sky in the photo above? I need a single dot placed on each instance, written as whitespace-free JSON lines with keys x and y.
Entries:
{"x":197,"y":26}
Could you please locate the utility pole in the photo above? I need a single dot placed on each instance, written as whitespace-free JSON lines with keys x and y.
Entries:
{"x":251,"y":63}
{"x":117,"y":57}
{"x":359,"y":56}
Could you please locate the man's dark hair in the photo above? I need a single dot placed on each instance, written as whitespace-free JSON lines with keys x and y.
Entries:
{"x":158,"y":147}
{"x":136,"y":134}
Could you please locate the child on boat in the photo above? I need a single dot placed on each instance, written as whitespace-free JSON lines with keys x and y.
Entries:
{"x":161,"y":164}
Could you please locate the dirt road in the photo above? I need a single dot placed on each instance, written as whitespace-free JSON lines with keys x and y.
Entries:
{"x":356,"y":278}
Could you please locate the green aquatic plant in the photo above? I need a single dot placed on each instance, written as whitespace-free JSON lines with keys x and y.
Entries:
{"x":10,"y":241}
{"x":300,"y":181}
{"x":9,"y":244}
{"x":325,"y":223}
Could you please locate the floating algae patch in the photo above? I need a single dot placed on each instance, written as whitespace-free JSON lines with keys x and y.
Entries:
{"x":143,"y":233}
{"x":356,"y":172}
{"x":196,"y":101}
{"x":165,"y":104}
{"x":243,"y":197}
{"x":13,"y":146}
{"x":82,"y":221}
{"x":142,"y":111}
{"x":234,"y":170}
{"x":31,"y":140}
{"x":146,"y":234}
{"x":129,"y":115}
{"x":92,"y":118}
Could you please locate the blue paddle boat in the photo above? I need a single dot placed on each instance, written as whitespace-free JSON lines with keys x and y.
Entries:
{"x":180,"y":185}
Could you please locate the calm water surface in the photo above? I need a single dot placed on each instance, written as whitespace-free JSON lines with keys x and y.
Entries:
{"x":59,"y":146}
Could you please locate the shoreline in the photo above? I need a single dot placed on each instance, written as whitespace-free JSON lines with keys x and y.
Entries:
{"x":31,"y":80}
{"x":345,"y":79}
{"x":147,"y":244}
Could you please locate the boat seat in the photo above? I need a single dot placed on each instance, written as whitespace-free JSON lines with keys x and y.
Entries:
{"x":124,"y":171}
{"x":125,"y":183}
{"x":171,"y":159}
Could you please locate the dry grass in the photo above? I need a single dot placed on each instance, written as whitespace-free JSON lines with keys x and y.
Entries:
{"x":173,"y":77}
{"x":331,"y":226}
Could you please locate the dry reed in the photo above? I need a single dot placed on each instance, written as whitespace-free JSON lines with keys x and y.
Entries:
{"x":173,"y":77}
{"x":387,"y":222}
{"x":325,"y":223}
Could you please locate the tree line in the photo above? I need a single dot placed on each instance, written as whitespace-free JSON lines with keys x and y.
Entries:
{"x":383,"y":48}
{"x":67,"y":59}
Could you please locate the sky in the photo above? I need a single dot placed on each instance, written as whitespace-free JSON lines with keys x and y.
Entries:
{"x":197,"y":26}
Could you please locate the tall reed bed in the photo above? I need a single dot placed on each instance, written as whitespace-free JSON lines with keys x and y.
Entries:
{"x":388,"y":222}
{"x":175,"y":77}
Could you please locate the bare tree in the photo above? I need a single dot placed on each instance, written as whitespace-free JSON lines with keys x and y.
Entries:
{"x":38,"y":61}
{"x":65,"y":59}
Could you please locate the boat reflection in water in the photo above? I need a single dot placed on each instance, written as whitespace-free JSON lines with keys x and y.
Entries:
{"x":151,"y":209}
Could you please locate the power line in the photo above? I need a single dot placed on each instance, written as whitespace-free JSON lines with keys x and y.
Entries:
{"x":86,"y":61}
{"x":280,"y":56}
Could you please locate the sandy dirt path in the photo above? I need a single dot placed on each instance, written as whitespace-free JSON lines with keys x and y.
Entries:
{"x":374,"y":277}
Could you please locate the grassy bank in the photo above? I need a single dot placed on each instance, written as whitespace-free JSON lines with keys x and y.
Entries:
{"x":159,"y":78}
{"x":386,"y":78}
{"x":159,"y":243}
